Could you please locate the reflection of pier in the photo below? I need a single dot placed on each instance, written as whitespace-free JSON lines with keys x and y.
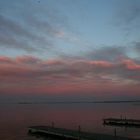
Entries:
{"x":122,"y":122}
{"x":61,"y":133}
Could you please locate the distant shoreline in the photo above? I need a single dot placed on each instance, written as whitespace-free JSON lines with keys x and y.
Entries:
{"x":79,"y":102}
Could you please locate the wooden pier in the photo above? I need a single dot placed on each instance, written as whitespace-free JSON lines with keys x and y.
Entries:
{"x":61,"y":133}
{"x":122,"y":122}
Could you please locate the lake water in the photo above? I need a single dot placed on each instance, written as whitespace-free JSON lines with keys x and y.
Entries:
{"x":16,"y":118}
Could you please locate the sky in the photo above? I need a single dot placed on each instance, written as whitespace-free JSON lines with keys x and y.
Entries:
{"x":75,"y":49}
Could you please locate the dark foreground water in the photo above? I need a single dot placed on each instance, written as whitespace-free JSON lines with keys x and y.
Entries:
{"x":16,"y":118}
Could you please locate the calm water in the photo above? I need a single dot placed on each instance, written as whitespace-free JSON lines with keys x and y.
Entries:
{"x":15,"y":118}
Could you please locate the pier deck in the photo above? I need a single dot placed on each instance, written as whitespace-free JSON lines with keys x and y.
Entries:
{"x":71,"y":134}
{"x":122,"y":122}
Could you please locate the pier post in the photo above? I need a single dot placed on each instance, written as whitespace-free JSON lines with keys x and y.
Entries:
{"x":79,"y":131}
{"x":115,"y":132}
{"x":52,"y":124}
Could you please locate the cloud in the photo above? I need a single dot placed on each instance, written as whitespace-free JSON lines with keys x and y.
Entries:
{"x":28,"y":72}
{"x":31,"y":29}
{"x":128,"y":15}
{"x":5,"y":59}
{"x":124,"y":62}
{"x":26,"y":59}
{"x":37,"y":28}
{"x":131,"y":65}
{"x":137,"y":46}
{"x":115,"y":53}
{"x":68,"y":67}
{"x":12,"y":33}
{"x":110,"y":53}
{"x":131,"y":11}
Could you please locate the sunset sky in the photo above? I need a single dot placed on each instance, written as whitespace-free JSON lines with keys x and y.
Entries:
{"x":70,"y":48}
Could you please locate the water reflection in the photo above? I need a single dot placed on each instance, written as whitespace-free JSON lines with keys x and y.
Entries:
{"x":15,"y":118}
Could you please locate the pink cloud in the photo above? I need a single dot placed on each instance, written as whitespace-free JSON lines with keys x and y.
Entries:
{"x":5,"y":59}
{"x":27,"y":59}
{"x":131,"y":64}
{"x":28,"y":74}
{"x":101,"y":63}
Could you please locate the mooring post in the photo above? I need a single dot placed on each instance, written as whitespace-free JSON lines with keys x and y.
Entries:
{"x":52,"y":124}
{"x":115,"y":133}
{"x":79,"y":131}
